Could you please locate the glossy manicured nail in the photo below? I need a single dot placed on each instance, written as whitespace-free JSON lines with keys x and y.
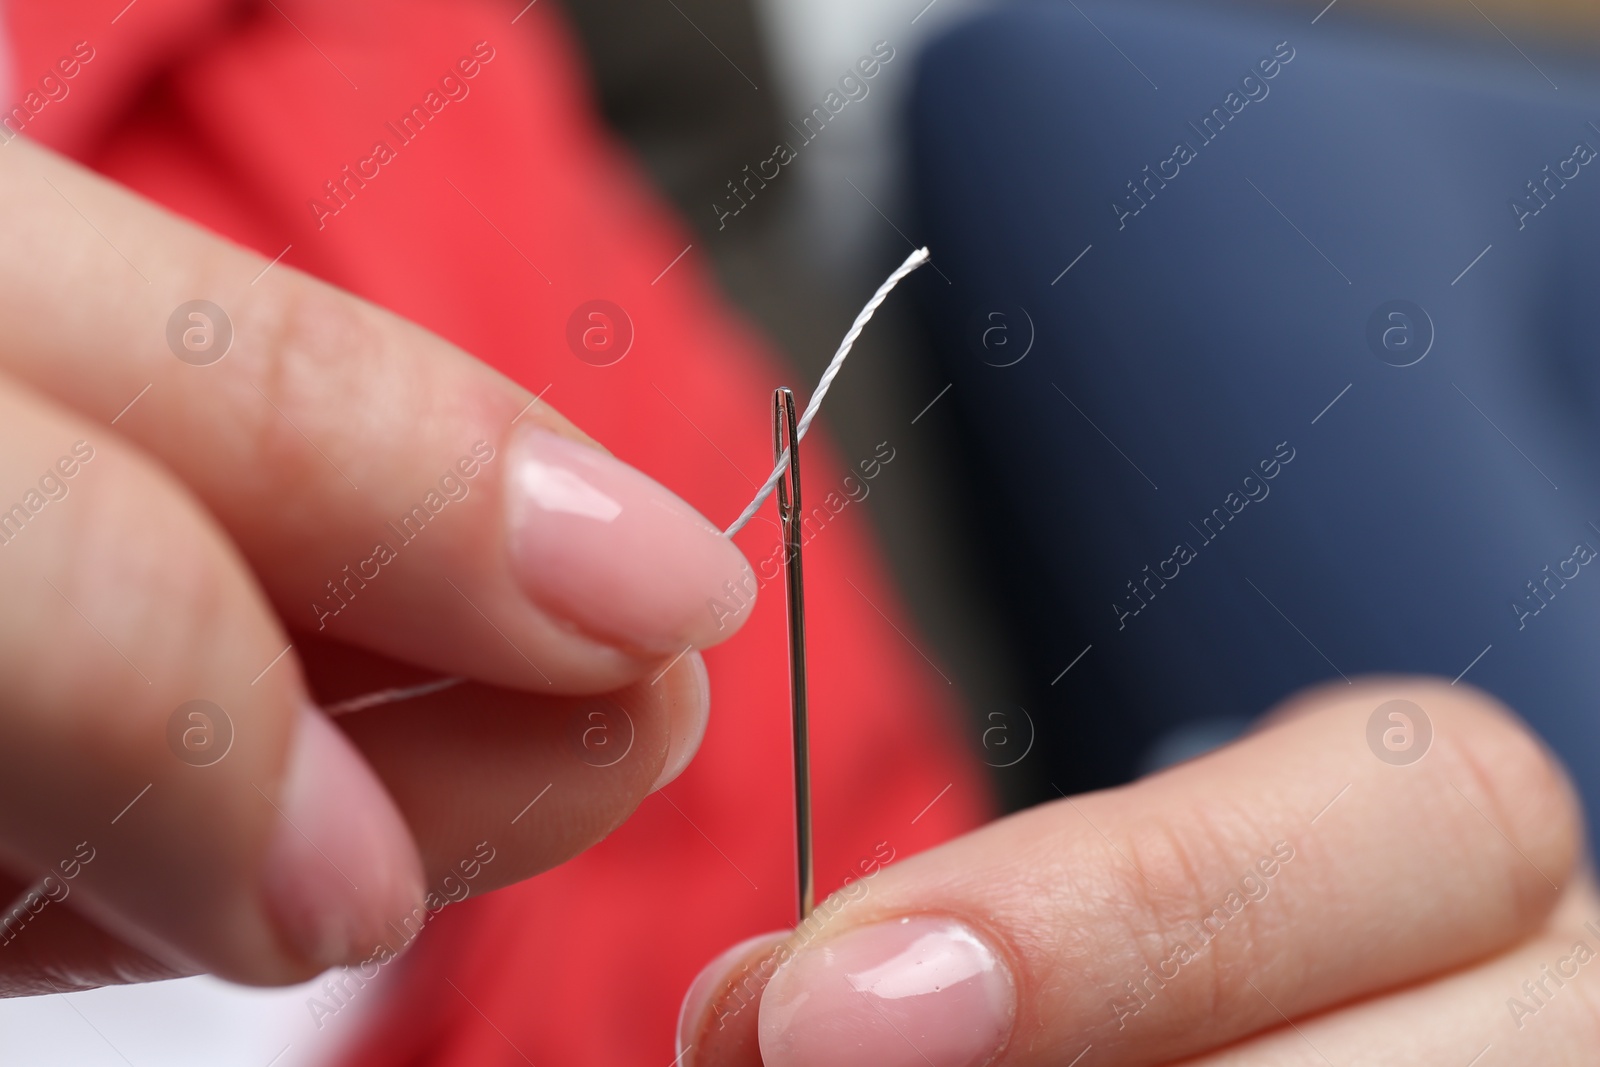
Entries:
{"x":717,"y":1022}
{"x":341,"y":865}
{"x":688,"y":714}
{"x":912,"y":992}
{"x":600,"y":545}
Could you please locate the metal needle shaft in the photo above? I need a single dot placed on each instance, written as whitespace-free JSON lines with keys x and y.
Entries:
{"x":785,"y":440}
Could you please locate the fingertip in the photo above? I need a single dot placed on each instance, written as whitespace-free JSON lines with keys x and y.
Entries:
{"x":611,"y":551}
{"x":894,"y":993}
{"x":688,"y":700}
{"x":718,"y":1023}
{"x":341,"y":866}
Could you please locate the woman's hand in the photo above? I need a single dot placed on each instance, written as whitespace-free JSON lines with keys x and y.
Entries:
{"x":1293,"y":899}
{"x":214,"y":519}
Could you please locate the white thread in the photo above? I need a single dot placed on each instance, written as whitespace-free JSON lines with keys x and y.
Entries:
{"x":912,"y":262}
{"x":390,"y":696}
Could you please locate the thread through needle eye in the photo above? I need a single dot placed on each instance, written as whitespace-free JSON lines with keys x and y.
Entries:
{"x":781,"y":469}
{"x":786,"y":454}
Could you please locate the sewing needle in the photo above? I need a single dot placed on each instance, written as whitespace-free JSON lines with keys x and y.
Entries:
{"x":785,"y":443}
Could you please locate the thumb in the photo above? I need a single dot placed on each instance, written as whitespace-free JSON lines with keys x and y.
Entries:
{"x":1174,"y":916}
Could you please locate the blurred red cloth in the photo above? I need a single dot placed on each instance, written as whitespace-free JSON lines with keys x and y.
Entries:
{"x":509,"y":209}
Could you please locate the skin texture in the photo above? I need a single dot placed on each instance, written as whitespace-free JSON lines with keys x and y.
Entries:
{"x":177,"y":555}
{"x":1414,"y":900}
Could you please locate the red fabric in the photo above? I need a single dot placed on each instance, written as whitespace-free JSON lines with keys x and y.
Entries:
{"x":236,"y":114}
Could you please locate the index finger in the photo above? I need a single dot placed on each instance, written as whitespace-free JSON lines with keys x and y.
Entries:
{"x":1288,"y":873}
{"x":387,"y":489}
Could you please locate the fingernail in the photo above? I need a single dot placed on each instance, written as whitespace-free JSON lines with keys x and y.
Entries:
{"x":341,"y":865}
{"x":688,"y":714}
{"x":915,"y":992}
{"x":600,"y":545}
{"x":732,"y":983}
